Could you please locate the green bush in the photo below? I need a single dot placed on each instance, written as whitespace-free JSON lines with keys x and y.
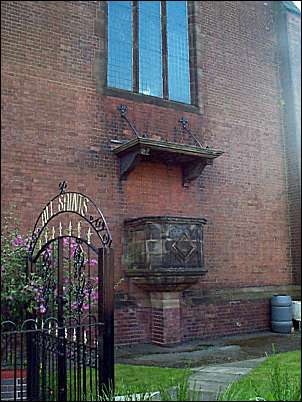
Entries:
{"x":16,"y":294}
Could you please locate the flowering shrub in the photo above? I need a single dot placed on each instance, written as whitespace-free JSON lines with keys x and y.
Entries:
{"x":16,"y":295}
{"x":35,"y":292}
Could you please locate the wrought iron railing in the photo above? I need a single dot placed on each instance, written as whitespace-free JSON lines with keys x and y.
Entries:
{"x":51,"y":363}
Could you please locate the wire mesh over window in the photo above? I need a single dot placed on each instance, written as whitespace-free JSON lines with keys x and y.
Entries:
{"x":148,"y":48}
{"x":178,"y":51}
{"x":120,"y":45}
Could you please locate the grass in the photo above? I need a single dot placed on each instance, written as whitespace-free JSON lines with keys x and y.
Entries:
{"x":136,"y":383}
{"x":149,"y":378}
{"x":129,"y":380}
{"x":277,"y":379}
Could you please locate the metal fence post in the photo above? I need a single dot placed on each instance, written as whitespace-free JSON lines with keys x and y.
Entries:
{"x":62,"y":374}
{"x":33,"y":362}
{"x":106,"y":316}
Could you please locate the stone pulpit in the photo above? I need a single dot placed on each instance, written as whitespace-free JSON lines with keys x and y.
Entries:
{"x":164,"y":256}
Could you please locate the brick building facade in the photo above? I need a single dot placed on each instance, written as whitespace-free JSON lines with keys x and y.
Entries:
{"x":60,"y":121}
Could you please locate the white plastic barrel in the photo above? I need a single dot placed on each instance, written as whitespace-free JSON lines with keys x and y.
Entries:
{"x":296,"y":310}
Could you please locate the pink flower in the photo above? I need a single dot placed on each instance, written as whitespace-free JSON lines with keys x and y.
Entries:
{"x":93,"y":261}
{"x":94,"y":295}
{"x":85,"y":306}
{"x":18,"y":241}
{"x":47,"y":251}
{"x":42,"y":309}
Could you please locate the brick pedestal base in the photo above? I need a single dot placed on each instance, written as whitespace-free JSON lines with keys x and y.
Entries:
{"x":166,"y":320}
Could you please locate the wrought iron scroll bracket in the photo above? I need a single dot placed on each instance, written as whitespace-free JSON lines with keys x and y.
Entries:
{"x":46,"y":275}
{"x":123,"y":109}
{"x":79,"y":278}
{"x":185,"y":125}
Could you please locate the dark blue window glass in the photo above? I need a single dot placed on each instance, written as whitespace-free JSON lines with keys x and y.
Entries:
{"x":119,"y":71}
{"x":150,"y":48}
{"x":178,"y":51}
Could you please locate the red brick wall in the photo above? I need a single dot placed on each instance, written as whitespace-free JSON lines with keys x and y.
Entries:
{"x":228,"y":318}
{"x":205,"y":320}
{"x":132,"y":325}
{"x":57,"y":123}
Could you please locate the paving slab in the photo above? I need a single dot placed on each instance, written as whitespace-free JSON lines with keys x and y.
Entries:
{"x":208,"y":386}
{"x":214,"y":379}
{"x":225,"y":369}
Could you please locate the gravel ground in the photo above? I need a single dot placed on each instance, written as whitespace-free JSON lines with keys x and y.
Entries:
{"x":216,"y":351}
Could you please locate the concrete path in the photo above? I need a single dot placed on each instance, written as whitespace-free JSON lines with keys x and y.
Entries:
{"x":211,"y":380}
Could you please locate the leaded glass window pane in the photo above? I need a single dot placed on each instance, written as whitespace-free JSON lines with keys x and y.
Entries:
{"x":178,"y":51}
{"x":119,"y":74}
{"x":150,"y":48}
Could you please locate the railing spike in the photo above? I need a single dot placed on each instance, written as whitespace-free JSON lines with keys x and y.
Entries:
{"x":70,"y":228}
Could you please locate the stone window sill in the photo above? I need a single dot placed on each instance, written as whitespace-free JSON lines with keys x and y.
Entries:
{"x":153,"y":100}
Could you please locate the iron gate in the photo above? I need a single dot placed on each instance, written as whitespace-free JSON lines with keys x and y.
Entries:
{"x":65,"y":349}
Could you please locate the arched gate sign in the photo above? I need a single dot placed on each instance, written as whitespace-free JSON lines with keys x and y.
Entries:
{"x":69,"y":343}
{"x":48,"y":227}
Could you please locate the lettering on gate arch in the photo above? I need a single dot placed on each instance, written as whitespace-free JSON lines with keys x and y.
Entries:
{"x":82,"y":219}
{"x":68,"y":202}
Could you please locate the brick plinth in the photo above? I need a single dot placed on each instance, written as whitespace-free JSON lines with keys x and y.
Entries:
{"x":166,"y":318}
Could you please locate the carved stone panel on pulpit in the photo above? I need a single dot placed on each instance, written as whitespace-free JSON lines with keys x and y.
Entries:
{"x":166,"y":250}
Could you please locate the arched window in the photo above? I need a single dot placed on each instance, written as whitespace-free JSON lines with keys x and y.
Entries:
{"x":148,"y":48}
